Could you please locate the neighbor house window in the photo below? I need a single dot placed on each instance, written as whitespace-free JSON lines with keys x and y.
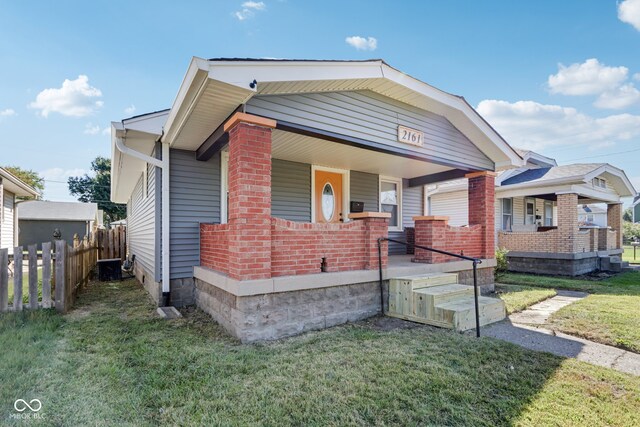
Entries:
{"x":391,"y":201}
{"x":599,"y":182}
{"x":548,"y":214}
{"x":507,"y":214}
{"x":530,"y":211}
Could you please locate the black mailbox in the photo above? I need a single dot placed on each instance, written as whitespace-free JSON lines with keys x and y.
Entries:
{"x":357,"y":207}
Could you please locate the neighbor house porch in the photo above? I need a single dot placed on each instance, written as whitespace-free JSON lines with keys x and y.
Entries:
{"x":561,"y":246}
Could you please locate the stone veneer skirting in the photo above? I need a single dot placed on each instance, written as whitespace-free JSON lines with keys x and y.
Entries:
{"x":266,"y":316}
{"x":562,"y":264}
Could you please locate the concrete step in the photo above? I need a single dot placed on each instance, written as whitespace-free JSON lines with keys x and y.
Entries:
{"x":461,"y":313}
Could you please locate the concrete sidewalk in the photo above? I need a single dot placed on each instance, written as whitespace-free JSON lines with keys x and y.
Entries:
{"x":521,"y":329}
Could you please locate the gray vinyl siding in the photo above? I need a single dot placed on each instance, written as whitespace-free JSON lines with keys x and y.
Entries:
{"x":141,"y":222}
{"x":373,"y":117}
{"x":291,"y":190}
{"x":195,"y":198}
{"x":364,"y":188}
{"x":412,"y":203}
{"x":6,"y":228}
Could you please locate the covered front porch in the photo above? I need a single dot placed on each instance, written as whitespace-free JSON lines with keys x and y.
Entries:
{"x":567,"y":248}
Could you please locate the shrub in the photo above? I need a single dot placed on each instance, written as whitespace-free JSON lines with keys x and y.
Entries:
{"x":501,"y":263}
{"x":631,"y":231}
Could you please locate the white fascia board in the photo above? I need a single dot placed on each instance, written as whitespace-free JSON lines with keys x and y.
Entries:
{"x":546,"y":183}
{"x":592,"y":193}
{"x":242,"y":73}
{"x":192,"y":85}
{"x":544,"y":160}
{"x":16,"y":186}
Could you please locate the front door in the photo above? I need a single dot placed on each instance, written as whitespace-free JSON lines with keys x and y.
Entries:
{"x":328,"y":196}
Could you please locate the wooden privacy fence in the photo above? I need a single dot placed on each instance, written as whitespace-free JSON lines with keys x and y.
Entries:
{"x":65,"y":271}
{"x":112,"y":243}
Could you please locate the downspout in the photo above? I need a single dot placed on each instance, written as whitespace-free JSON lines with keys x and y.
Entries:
{"x":163,"y":164}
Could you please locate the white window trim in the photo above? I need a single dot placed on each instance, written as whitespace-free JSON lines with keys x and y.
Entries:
{"x":398,"y":182}
{"x":224,"y":186}
{"x":502,"y":214}
{"x":346,"y":190}
{"x":526,"y":200}
{"x":544,"y":217}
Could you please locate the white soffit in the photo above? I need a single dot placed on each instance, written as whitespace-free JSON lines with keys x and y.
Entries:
{"x":212,"y":90}
{"x":305,"y":149}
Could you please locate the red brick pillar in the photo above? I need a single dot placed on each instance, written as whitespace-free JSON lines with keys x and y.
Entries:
{"x":249,"y":208}
{"x":430,"y":231}
{"x":614,"y":220}
{"x":482,"y":201}
{"x":376,"y":226}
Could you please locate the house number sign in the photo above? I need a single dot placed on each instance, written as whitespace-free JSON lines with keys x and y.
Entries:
{"x":410,"y":136}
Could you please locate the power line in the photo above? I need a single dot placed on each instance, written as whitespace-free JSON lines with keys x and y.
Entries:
{"x":605,"y":155}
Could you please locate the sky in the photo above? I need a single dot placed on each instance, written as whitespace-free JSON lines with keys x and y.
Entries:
{"x":558,"y":77}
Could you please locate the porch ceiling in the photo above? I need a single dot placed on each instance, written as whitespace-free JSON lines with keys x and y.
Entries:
{"x":306,"y":149}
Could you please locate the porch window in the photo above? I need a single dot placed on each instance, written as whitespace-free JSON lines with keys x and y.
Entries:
{"x":530,"y":211}
{"x":391,"y":201}
{"x":548,"y":214}
{"x":507,"y":214}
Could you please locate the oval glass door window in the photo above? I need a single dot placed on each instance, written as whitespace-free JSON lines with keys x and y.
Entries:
{"x":328,"y":202}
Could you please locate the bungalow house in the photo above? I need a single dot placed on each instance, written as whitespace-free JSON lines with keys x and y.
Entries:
{"x":537,"y":214}
{"x":39,"y":220}
{"x":11,"y":188}
{"x":262,"y":193}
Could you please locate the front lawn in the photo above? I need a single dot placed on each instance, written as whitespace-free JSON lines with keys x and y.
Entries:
{"x":627,"y":255}
{"x":610,"y":315}
{"x":517,"y":298}
{"x":112,"y":361}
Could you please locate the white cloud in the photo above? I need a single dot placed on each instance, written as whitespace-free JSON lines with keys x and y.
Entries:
{"x":90,"y":129}
{"x":622,"y":97}
{"x":535,"y":126}
{"x":589,"y":78}
{"x":629,"y":12}
{"x":7,"y":112}
{"x":55,"y":183}
{"x":362,"y":43}
{"x":636,"y":76}
{"x":106,"y":131}
{"x":75,"y":98}
{"x":130,"y":109}
{"x":249,"y":9}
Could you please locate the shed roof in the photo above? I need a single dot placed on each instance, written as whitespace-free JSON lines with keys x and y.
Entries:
{"x":59,"y":211}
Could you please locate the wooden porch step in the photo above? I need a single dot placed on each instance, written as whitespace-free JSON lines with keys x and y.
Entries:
{"x":461,"y":313}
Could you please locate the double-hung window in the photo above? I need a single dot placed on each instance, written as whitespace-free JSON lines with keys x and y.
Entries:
{"x":391,"y":201}
{"x":507,"y":214}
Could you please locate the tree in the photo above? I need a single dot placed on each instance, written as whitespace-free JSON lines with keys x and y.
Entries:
{"x":29,"y":177}
{"x":627,"y":215}
{"x":97,"y":189}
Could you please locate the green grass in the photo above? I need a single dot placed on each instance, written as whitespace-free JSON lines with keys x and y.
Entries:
{"x":517,"y":298}
{"x":609,"y":315}
{"x":25,"y":286}
{"x":111,"y":361}
{"x":627,"y":255}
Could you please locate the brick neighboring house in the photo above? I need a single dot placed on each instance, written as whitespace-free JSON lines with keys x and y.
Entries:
{"x":11,"y":188}
{"x":260,"y":195}
{"x":538,"y":214}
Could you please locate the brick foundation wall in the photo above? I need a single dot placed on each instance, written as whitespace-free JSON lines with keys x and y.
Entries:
{"x":552,"y":241}
{"x":214,"y":247}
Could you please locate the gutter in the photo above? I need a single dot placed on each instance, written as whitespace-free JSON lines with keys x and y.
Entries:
{"x":165,"y":211}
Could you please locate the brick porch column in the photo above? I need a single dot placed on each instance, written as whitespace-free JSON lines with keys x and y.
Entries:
{"x":482,"y":200}
{"x":249,"y":217}
{"x":430,"y":231}
{"x":567,"y":222}
{"x":614,"y":220}
{"x":376,"y":226}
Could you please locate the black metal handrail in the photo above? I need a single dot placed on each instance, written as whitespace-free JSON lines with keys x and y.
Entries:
{"x":475,"y":261}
